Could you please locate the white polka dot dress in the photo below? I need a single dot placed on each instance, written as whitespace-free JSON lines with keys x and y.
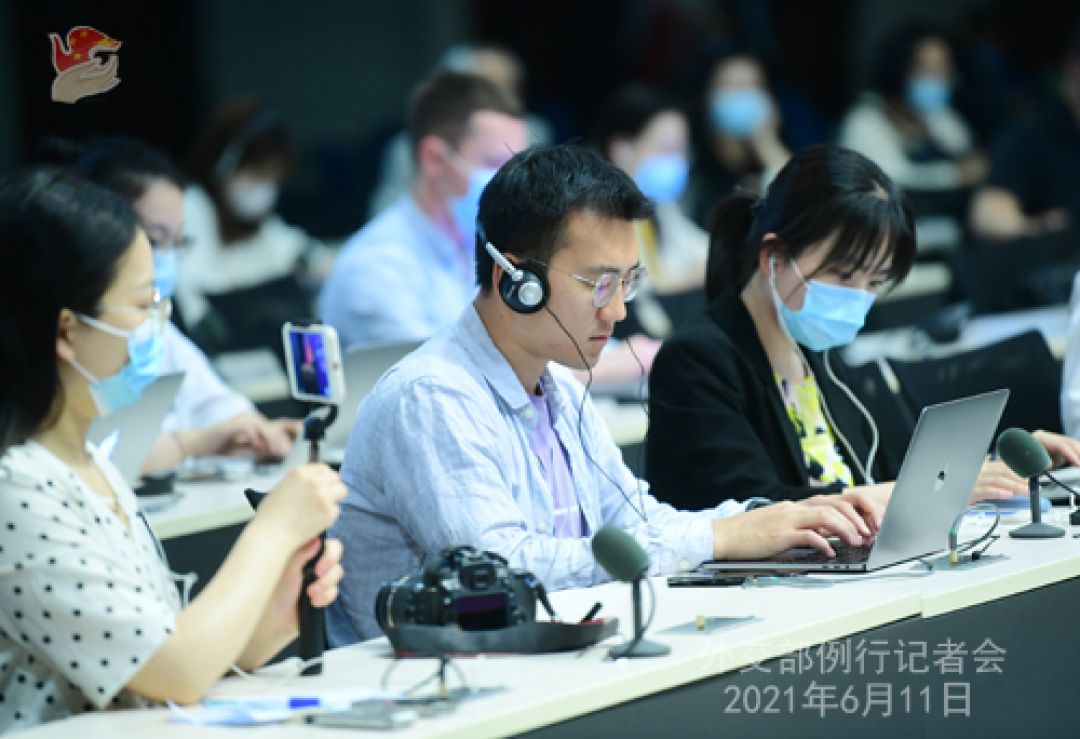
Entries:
{"x":85,"y":601}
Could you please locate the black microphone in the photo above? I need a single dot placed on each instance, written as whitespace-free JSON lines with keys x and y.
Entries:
{"x":625,"y":560}
{"x":1025,"y":456}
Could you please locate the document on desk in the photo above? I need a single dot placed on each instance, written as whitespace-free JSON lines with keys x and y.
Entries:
{"x":274,"y":707}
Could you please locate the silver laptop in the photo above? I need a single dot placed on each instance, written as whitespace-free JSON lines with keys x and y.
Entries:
{"x":126,"y":435}
{"x":935,"y":482}
{"x":363,"y":368}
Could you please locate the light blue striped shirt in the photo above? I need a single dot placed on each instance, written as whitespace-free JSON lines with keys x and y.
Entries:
{"x":439,"y":456}
{"x":399,"y":278}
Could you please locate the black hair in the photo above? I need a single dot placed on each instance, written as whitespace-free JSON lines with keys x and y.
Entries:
{"x":524,"y":208}
{"x":124,"y":165}
{"x":627,"y":112}
{"x":822,"y":191}
{"x":896,"y":57}
{"x":62,"y":239}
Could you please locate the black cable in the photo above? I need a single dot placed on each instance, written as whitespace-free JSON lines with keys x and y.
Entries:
{"x":440,"y":672}
{"x":1060,"y":484}
{"x":956,"y":548}
{"x":641,"y":401}
{"x":581,"y":436}
{"x":642,"y":380}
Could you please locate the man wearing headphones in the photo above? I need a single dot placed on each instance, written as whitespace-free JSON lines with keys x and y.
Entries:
{"x":483,"y":437}
{"x":409,"y":272}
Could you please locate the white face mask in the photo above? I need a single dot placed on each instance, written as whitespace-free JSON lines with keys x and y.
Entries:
{"x":251,"y":200}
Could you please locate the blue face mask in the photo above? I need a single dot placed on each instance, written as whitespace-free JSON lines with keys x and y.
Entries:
{"x":166,"y":268}
{"x":739,"y":113}
{"x":662,"y":178}
{"x":145,"y":351}
{"x":831,"y":314}
{"x":465,"y":208}
{"x":928,"y":94}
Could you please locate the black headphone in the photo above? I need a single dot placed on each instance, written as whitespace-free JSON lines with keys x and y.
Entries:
{"x":524,"y":290}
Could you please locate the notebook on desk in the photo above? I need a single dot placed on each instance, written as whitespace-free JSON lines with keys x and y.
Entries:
{"x":126,"y":435}
{"x":936,"y":480}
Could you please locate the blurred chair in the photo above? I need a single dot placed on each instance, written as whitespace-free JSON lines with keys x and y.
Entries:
{"x":251,"y":317}
{"x":1023,"y":364}
{"x":1024,"y":273}
{"x":919,"y":298}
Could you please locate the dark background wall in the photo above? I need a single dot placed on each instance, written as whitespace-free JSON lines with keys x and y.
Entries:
{"x":339,"y":71}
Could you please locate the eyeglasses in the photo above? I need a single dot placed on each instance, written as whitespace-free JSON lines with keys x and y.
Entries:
{"x":178,"y":243}
{"x":603,"y":288}
{"x":157,"y":314}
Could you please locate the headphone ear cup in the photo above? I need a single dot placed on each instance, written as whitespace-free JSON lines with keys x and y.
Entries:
{"x":527,"y":295}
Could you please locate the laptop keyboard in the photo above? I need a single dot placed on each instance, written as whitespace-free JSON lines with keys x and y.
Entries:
{"x":844,"y":555}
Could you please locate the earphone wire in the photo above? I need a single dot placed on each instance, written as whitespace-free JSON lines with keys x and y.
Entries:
{"x":642,"y":401}
{"x":640,"y":396}
{"x":874,"y":434}
{"x":863,"y":471}
{"x":581,"y":437}
{"x":1059,"y":483}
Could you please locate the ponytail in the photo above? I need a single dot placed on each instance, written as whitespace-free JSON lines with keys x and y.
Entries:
{"x":731,"y":261}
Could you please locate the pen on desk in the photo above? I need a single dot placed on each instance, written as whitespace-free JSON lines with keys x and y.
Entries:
{"x":592,"y":612}
{"x":269,"y":703}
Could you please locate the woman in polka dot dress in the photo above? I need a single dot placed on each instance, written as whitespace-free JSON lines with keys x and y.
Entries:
{"x":89,"y":617}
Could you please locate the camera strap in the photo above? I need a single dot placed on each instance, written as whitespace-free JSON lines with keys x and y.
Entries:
{"x":535,"y":637}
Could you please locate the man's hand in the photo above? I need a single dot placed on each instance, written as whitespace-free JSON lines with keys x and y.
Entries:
{"x":766,"y":531}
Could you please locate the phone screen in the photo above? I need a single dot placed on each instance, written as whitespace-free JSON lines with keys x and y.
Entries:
{"x":311,"y":364}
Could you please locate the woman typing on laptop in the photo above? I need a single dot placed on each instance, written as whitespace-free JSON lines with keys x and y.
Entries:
{"x":745,"y":401}
{"x":89,"y":617}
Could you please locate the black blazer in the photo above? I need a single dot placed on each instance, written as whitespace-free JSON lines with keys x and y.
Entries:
{"x":717,"y":424}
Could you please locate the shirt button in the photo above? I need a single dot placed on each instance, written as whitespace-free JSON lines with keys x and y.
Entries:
{"x":541,"y":528}
{"x":529,"y":414}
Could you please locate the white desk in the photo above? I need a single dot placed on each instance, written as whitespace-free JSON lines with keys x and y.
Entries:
{"x":202,"y":506}
{"x":910,"y":343}
{"x":542,"y":691}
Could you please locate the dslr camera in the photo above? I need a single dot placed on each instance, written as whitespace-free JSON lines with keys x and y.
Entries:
{"x":474,"y":589}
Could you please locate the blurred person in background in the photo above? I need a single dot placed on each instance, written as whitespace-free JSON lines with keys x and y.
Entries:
{"x":646,"y":134}
{"x":410,"y":271}
{"x":739,"y":146}
{"x":498,"y":65}
{"x":905,"y":122}
{"x":247,"y":271}
{"x":1034,"y":184}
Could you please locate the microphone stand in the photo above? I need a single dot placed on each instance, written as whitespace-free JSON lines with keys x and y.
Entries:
{"x":312,"y":639}
{"x":1036,"y":529}
{"x":638,"y":646}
